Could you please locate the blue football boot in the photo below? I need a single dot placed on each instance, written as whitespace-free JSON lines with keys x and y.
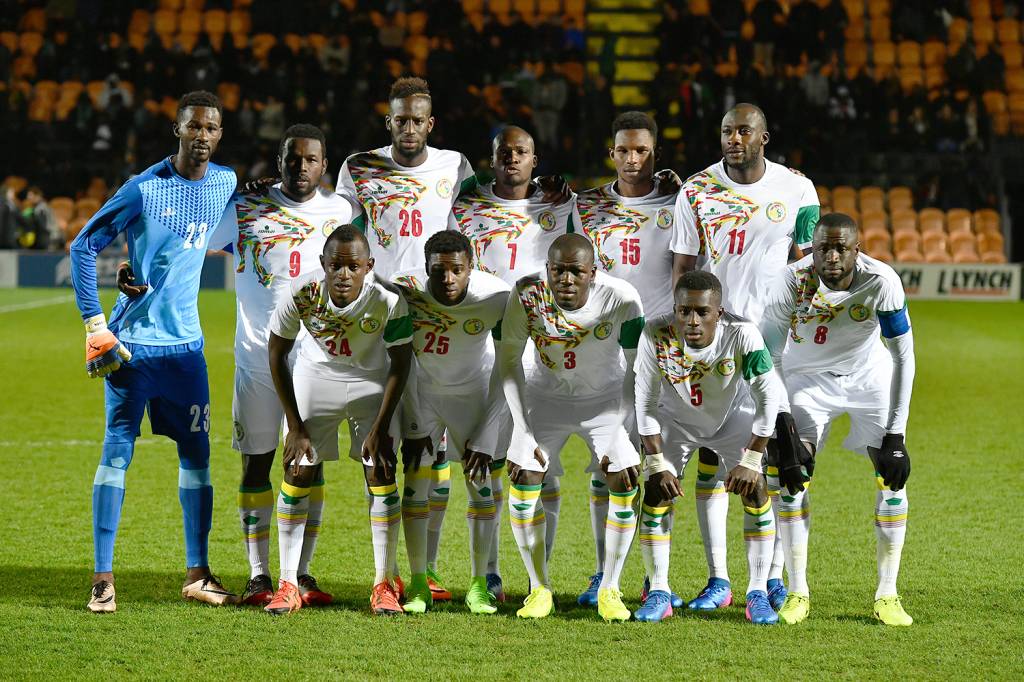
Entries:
{"x":717,"y":594}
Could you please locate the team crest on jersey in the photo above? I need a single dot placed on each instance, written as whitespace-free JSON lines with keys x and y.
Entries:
{"x":726,"y":367}
{"x":859,"y":313}
{"x":239,"y":431}
{"x":664,"y":219}
{"x":776,"y":212}
{"x":603,"y":331}
{"x":444,"y":188}
{"x":546,"y":220}
{"x":330,"y":226}
{"x":369,"y":325}
{"x":473,"y":326}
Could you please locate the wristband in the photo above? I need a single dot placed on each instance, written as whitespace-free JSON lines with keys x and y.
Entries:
{"x":654,"y":463}
{"x":751,"y":459}
{"x":96,"y":323}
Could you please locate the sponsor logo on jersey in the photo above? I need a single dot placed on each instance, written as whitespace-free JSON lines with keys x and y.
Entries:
{"x":369,"y":325}
{"x":726,"y":367}
{"x":546,"y":220}
{"x":603,"y":331}
{"x":444,"y":188}
{"x":239,"y":431}
{"x":776,"y":212}
{"x":664,"y":219}
{"x":330,"y":226}
{"x":473,"y":326}
{"x":859,"y":313}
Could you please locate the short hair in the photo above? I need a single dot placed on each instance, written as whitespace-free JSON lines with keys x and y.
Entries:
{"x":840,"y":220}
{"x":448,"y":241}
{"x":571,"y":240}
{"x":199,"y":98}
{"x":758,"y":112}
{"x":346,"y":234}
{"x":409,"y":86}
{"x":304,"y":131}
{"x":635,"y":120}
{"x":698,"y":280}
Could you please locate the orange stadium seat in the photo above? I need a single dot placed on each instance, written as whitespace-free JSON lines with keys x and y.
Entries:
{"x":986,"y":220}
{"x":63,"y":209}
{"x":317,"y":41}
{"x":900,"y":198}
{"x":195,"y":4}
{"x":261,"y":44}
{"x":172,"y":5}
{"x":960,"y":217}
{"x":871,"y":199}
{"x":958,"y":240}
{"x":878,"y":8}
{"x":906,"y":240}
{"x":700,"y":8}
{"x":215,"y":21}
{"x":33,"y":20}
{"x":993,"y":257}
{"x":9,"y":39}
{"x":1013,"y":55}
{"x":989,"y":241}
{"x":165,"y":21}
{"x":880,"y":30}
{"x":844,"y":199}
{"x":526,"y":8}
{"x":933,"y":53}
{"x":980,"y":9}
{"x":934,"y":78}
{"x":911,"y":77}
{"x":86,"y":207}
{"x":903,"y":221}
{"x":855,"y":30}
{"x":239,"y":22}
{"x":994,"y":101}
{"x":936,"y":252}
{"x":872,"y":226}
{"x":909,"y":53}
{"x":1015,"y":80}
{"x":824,"y":197}
{"x":472,"y":6}
{"x":957,"y":33}
{"x":856,"y":55}
{"x":190,"y":21}
{"x":983,"y":31}
{"x":1008,"y":30}
{"x":187,"y":41}
{"x":230,"y":95}
{"x":883,"y":56}
{"x":140,"y":21}
{"x":931,"y":222}
{"x":293,"y":42}
{"x":29,"y":43}
{"x":417,"y":46}
{"x":854,"y":9}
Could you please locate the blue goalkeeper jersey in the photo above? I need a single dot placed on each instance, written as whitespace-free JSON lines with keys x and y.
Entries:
{"x":169,"y":222}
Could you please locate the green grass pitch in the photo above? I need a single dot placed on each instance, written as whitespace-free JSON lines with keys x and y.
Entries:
{"x":961,"y":578}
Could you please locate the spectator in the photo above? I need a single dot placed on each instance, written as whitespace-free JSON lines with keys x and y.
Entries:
{"x":548,"y":101}
{"x":768,"y":18}
{"x":10,"y":219}
{"x":39,"y":228}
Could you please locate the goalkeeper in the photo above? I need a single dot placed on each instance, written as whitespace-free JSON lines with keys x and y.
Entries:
{"x":721,"y":393}
{"x":151,"y":354}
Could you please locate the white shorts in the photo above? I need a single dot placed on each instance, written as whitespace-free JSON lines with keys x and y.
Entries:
{"x":553,"y":421}
{"x":455,"y":419}
{"x":678,"y":442}
{"x":817,"y":399}
{"x":256,"y":411}
{"x":324,"y":403}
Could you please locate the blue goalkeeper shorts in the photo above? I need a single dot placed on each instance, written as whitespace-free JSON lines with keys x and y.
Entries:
{"x":169,"y":381}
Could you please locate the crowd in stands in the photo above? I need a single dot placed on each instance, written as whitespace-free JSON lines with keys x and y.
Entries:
{"x":91,"y":86}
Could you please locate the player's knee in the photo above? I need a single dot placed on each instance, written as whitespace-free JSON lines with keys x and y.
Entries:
{"x":256,"y":469}
{"x":194,"y":451}
{"x":303,"y":478}
{"x":707,"y":456}
{"x":380,"y":478}
{"x":529,"y":478}
{"x":117,"y":454}
{"x":760,"y":495}
{"x":654,"y":498}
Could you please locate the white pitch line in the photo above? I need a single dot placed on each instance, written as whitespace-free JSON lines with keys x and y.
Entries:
{"x":41,"y":303}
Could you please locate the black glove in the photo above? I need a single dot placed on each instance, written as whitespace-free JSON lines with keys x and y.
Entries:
{"x":126,"y":279}
{"x":260,"y":186}
{"x":893,"y":461}
{"x":795,"y":462}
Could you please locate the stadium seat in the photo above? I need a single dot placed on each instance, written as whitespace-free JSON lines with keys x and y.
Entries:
{"x":190,"y":21}
{"x":86,"y":207}
{"x":165,"y":22}
{"x":957,"y":33}
{"x":909,"y":53}
{"x":318,"y":40}
{"x":906,"y":240}
{"x":230,"y":95}
{"x":986,"y":220}
{"x":1013,"y":55}
{"x":983,"y":31}
{"x":1015,"y":80}
{"x":97,"y":190}
{"x":931,"y":217}
{"x":909,"y":256}
{"x":960,"y":241}
{"x":988,"y":242}
{"x":1008,"y":30}
{"x":933,"y":53}
{"x":900,"y":198}
{"x":824,"y":197}
{"x":855,"y":31}
{"x":33,"y":20}
{"x":844,"y":197}
{"x":995,"y":101}
{"x":966,"y":254}
{"x":980,"y":9}
{"x":29,"y":43}
{"x":911,"y":78}
{"x":883,"y":56}
{"x":171,"y":5}
{"x":239,"y":22}
{"x":880,"y":30}
{"x":993,"y":257}
{"x":873,"y":226}
{"x":936,"y":253}
{"x":854,"y":9}
{"x":958,"y":221}
{"x":215,"y":22}
{"x":871,"y":199}
{"x":856,"y":55}
{"x":194,"y":4}
{"x":902,"y":221}
{"x":63,"y":209}
{"x":261,"y":44}
{"x":9,"y":39}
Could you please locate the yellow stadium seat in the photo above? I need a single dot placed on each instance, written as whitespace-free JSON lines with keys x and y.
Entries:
{"x":986,"y":220}
{"x":983,"y":31}
{"x":933,"y":53}
{"x":957,"y":33}
{"x":980,"y":9}
{"x":215,"y":21}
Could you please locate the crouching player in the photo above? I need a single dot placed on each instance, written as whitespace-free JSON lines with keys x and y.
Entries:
{"x":851,"y":351}
{"x":721,"y":394}
{"x":582,"y":324}
{"x":342,"y":371}
{"x":452,"y":307}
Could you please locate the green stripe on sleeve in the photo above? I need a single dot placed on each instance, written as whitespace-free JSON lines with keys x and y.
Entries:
{"x":468,"y":185}
{"x":756,"y":363}
{"x":570,"y":227}
{"x":398,"y":328}
{"x":806,"y":219}
{"x":360,"y":222}
{"x":629,"y":334}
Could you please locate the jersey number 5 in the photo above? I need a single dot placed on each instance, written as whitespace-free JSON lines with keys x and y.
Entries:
{"x":195,"y":238}
{"x":412,"y":223}
{"x":696,"y":397}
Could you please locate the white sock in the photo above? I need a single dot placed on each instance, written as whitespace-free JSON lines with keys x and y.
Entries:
{"x":385,"y":515}
{"x":440,"y":487}
{"x":256,"y":512}
{"x":891,"y":509}
{"x":598,"y":516}
{"x":619,"y":529}
{"x":759,"y":537}
{"x":414,"y":517}
{"x":712,"y":515}
{"x":292,"y":510}
{"x":313,"y":525}
{"x":480,"y":518}
{"x":656,"y":543}
{"x":794,"y":527}
{"x":551,"y":498}
{"x":529,"y":528}
{"x":498,"y":493}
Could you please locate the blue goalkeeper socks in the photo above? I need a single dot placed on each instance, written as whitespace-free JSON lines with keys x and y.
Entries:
{"x":107,"y":497}
{"x":196,"y":496}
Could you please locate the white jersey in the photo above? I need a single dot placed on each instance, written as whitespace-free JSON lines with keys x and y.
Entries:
{"x":404,"y":205}
{"x":702,"y":387}
{"x":578,"y":353}
{"x":744,"y":233}
{"x":835,"y":331}
{"x":344,"y":344}
{"x":453,"y":355}
{"x":634,"y":239}
{"x":276,"y":240}
{"x":511,"y":237}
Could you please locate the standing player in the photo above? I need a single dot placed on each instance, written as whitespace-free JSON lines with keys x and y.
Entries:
{"x":631,"y":223}
{"x":511,"y":224}
{"x":742,"y":217}
{"x":407,"y":190}
{"x":352,"y":364}
{"x":583,"y":325}
{"x":280,"y":237}
{"x":851,"y":350}
{"x":722,"y":394}
{"x":452,"y":308}
{"x":169,"y":212}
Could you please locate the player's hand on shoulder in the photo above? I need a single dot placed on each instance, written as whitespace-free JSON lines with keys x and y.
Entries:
{"x":297,"y":445}
{"x":668,"y":182}
{"x":893,"y":461}
{"x":555,"y":189}
{"x":414,"y":450}
{"x":476,"y":464}
{"x":259,"y":186}
{"x":103,"y":352}
{"x":126,"y":281}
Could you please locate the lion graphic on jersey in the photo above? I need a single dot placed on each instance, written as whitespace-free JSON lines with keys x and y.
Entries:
{"x":603,"y":218}
{"x":508,"y":226}
{"x":674,"y":363}
{"x":810,"y":306}
{"x":424,"y":315}
{"x":289,"y":230}
{"x":379,"y":189}
{"x":319,"y":320}
{"x":715,"y":207}
{"x":548,"y":325}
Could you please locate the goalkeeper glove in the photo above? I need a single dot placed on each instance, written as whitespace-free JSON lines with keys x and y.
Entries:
{"x":796,"y":463}
{"x":103,"y":352}
{"x":893,"y":461}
